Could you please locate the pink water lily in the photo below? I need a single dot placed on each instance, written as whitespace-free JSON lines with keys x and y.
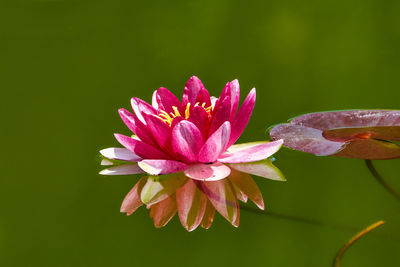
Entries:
{"x":186,"y":148}
{"x":363,"y":134}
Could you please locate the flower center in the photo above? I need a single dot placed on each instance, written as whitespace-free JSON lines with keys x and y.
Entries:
{"x":168,"y":118}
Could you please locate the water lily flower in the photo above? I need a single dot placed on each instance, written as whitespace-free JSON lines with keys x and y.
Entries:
{"x":363,"y":134}
{"x":186,"y":148}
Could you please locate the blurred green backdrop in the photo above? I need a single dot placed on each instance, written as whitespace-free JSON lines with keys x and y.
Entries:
{"x":66,"y":66}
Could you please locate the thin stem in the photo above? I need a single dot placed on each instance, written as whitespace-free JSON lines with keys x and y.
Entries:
{"x":339,"y":255}
{"x":299,"y":219}
{"x":380,"y":179}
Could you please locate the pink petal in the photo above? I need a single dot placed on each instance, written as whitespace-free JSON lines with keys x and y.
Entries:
{"x":207,"y":172}
{"x":191,"y":205}
{"x":124,"y":169}
{"x":160,"y":130}
{"x":247,"y":185}
{"x":163,"y":211}
{"x":176,"y":121}
{"x":199,"y":117}
{"x":166,"y":100}
{"x":158,"y":188}
{"x":143,"y":132}
{"x":222,"y":114}
{"x":186,"y":141}
{"x":232,"y":90}
{"x":127,"y":118}
{"x":252,"y":153}
{"x":192,"y":89}
{"x":132,"y":200}
{"x":235,"y":98}
{"x":305,"y":139}
{"x":156,"y":167}
{"x":223,"y":197}
{"x":119,"y":153}
{"x":139,"y":106}
{"x":216,"y":144}
{"x":154,"y":100}
{"x":208,"y":217}
{"x":263,"y":168}
{"x":142,"y":149}
{"x":349,"y":118}
{"x":243,"y":116}
{"x":203,"y":97}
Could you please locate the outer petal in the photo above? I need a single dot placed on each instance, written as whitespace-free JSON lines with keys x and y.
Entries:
{"x":140,"y":148}
{"x":158,"y":188}
{"x":208,"y":217}
{"x":376,"y":132}
{"x":163,"y":211}
{"x":243,"y":116}
{"x":124,"y":169}
{"x":305,"y":139}
{"x":154,"y":100}
{"x":160,"y":166}
{"x":252,"y":153}
{"x":127,"y":118}
{"x":106,"y":162}
{"x":119,"y":153}
{"x":166,"y":100}
{"x":349,"y":118}
{"x":186,"y":140}
{"x":216,"y":144}
{"x":191,"y":205}
{"x":207,"y":172}
{"x":241,"y":196}
{"x":132,"y":200}
{"x":223,"y":197}
{"x":263,"y":168}
{"x":192,"y":88}
{"x":370,"y":149}
{"x":247,"y":185}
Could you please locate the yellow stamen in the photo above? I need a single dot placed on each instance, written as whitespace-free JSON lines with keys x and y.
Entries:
{"x":177,"y":114}
{"x":168,"y":118}
{"x":164,"y":114}
{"x":187,"y":111}
{"x":165,"y":118}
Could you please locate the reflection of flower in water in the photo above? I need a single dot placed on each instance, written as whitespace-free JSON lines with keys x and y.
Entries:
{"x":186,"y":148}
{"x":364,"y":134}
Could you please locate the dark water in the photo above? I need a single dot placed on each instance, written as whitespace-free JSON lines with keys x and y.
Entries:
{"x":67,"y":66}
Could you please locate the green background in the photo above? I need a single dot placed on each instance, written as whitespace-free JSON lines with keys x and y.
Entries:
{"x":67,"y":66}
